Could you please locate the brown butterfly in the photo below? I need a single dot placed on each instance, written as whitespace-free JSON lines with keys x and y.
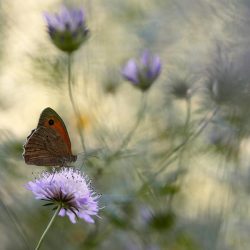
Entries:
{"x":49,"y":143}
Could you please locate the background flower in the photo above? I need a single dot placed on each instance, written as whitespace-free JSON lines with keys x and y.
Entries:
{"x":67,"y":29}
{"x":68,"y":188}
{"x":144,"y":72}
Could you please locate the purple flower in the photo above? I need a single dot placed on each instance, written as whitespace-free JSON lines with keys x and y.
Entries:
{"x":144,"y":72}
{"x":68,"y":188}
{"x":67,"y":29}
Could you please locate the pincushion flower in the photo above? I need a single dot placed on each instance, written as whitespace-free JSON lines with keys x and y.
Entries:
{"x":67,"y":29}
{"x":69,"y":189}
{"x":142,"y":73}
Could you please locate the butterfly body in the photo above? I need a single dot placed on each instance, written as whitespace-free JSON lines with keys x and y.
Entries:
{"x":49,"y":144}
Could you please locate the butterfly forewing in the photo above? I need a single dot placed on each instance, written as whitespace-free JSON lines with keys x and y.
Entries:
{"x":50,"y":119}
{"x":49,"y":144}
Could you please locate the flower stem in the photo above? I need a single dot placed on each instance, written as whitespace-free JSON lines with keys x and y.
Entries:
{"x":75,"y":108}
{"x":48,"y":227}
{"x":140,"y":115}
{"x":188,"y":106}
{"x":186,"y":129}
{"x":192,"y":136}
{"x":180,"y":166}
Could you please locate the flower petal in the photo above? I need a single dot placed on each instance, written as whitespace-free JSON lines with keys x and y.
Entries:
{"x":71,"y":216}
{"x":62,"y":212}
{"x":86,"y":217}
{"x":145,"y":58}
{"x":156,"y":66}
{"x":130,"y":71}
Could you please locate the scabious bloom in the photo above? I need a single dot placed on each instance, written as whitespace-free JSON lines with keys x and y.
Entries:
{"x":144,"y":72}
{"x":67,"y":29}
{"x":67,"y":188}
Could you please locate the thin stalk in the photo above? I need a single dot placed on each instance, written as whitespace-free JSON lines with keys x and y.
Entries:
{"x":74,"y":105}
{"x":48,"y":227}
{"x":191,"y":137}
{"x":181,"y":155}
{"x":140,"y":116}
{"x":186,"y":128}
{"x":188,"y":106}
{"x":172,"y":156}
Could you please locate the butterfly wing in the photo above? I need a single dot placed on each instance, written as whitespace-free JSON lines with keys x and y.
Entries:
{"x":50,"y":119}
{"x":44,"y":147}
{"x":49,"y":143}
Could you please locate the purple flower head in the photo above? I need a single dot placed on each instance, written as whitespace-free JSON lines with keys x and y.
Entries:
{"x":68,"y":188}
{"x":67,"y":29}
{"x":144,"y":72}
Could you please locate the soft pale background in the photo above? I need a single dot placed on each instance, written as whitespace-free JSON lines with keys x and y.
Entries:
{"x":212,"y":208}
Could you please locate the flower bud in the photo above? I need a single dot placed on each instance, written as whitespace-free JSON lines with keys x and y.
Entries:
{"x":143,"y":73}
{"x":67,"y":29}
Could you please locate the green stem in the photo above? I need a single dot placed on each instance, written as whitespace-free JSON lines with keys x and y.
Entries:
{"x":48,"y":227}
{"x":75,"y":108}
{"x":186,"y":129}
{"x":191,"y":137}
{"x":181,"y":153}
{"x":140,"y":116}
{"x":172,"y":156}
{"x":188,"y":105}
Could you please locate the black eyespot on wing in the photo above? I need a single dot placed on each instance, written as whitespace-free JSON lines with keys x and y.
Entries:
{"x":51,"y":122}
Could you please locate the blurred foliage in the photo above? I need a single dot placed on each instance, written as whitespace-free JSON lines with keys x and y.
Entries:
{"x":182,"y":180}
{"x":54,"y":66}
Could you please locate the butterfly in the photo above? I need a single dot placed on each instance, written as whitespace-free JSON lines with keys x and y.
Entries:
{"x":49,"y":144}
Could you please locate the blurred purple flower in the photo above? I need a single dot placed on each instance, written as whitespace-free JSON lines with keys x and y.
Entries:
{"x":67,"y":29}
{"x":144,"y":72}
{"x":68,"y":188}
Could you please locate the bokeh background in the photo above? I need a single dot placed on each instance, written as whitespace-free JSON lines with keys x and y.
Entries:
{"x":182,"y":182}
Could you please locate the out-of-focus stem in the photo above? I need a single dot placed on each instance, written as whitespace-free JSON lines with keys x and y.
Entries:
{"x":188,"y":106}
{"x":74,"y":105}
{"x":192,"y":136}
{"x":48,"y":227}
{"x":181,"y":153}
{"x":140,"y":116}
{"x":186,"y":128}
